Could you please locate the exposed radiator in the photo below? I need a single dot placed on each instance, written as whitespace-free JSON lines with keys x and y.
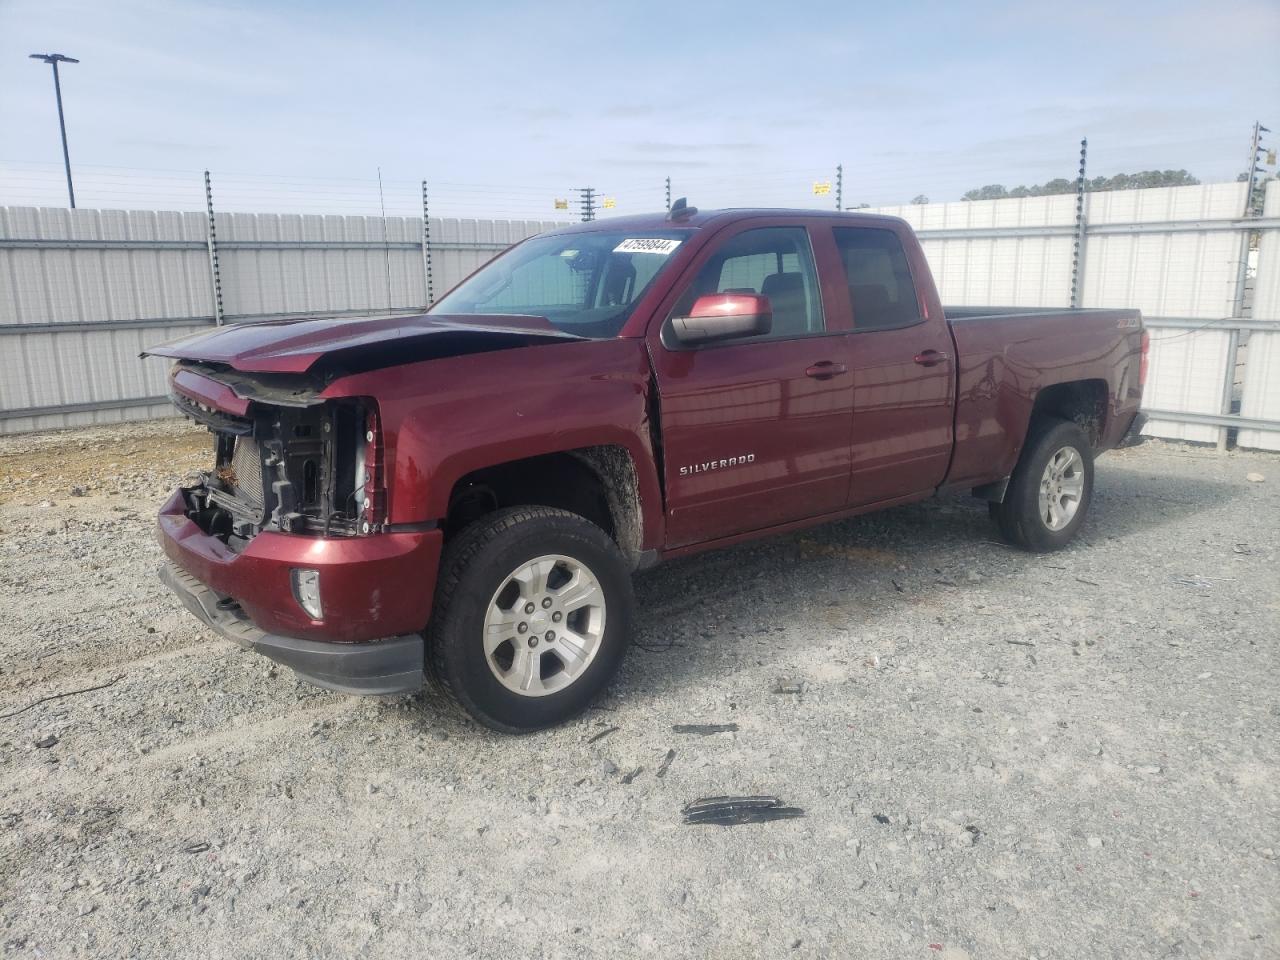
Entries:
{"x":246,"y":464}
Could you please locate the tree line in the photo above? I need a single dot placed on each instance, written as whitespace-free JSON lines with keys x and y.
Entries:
{"x":1121,"y":181}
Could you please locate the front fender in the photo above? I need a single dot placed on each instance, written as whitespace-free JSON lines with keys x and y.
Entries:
{"x":443,"y":419}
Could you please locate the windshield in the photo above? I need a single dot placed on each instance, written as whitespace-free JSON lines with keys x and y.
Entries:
{"x":582,"y":283}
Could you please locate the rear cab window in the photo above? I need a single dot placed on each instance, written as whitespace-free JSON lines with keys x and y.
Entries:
{"x":881,"y":288}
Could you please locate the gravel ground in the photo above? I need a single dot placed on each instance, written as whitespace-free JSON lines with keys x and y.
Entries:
{"x":999,"y":755}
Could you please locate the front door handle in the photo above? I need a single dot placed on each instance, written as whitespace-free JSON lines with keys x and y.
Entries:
{"x":931,"y":358}
{"x":825,"y":370}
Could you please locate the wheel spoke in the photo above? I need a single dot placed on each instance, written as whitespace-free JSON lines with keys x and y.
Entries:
{"x":578,"y":592}
{"x":532,"y":577}
{"x":571,"y":647}
{"x":499,"y":627}
{"x":526,"y":670}
{"x":1073,"y":486}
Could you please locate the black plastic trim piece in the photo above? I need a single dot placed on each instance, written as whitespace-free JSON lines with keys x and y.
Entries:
{"x":1133,"y":436}
{"x":993,"y":491}
{"x":213,"y":419}
{"x":420,"y":526}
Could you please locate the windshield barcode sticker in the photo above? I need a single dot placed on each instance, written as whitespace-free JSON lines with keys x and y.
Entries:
{"x":650,"y":245}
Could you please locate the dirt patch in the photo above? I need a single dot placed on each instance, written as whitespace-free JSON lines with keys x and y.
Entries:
{"x":99,"y":460}
{"x":813,"y":548}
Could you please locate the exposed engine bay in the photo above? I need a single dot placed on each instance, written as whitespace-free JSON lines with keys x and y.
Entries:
{"x":309,"y":469}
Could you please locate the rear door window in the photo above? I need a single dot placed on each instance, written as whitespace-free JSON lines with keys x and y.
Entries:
{"x":881,"y":288}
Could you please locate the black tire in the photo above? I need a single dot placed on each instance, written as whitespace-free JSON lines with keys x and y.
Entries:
{"x":475,"y":565}
{"x":1019,"y":518}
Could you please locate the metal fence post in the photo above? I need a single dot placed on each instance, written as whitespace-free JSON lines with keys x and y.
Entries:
{"x":386,"y":247}
{"x":839,"y":187}
{"x":588,"y":203}
{"x":1241,"y":287}
{"x":1078,"y":244}
{"x":426,"y":247}
{"x":212,"y":239}
{"x":1229,"y":375}
{"x":668,"y":193}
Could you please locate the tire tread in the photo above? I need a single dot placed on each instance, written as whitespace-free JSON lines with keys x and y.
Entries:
{"x":1013,"y":517}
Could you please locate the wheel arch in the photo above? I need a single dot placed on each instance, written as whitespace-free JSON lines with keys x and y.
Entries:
{"x":1082,"y":402}
{"x":600,"y":483}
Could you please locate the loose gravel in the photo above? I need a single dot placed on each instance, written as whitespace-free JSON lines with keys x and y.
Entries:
{"x":998,"y":755}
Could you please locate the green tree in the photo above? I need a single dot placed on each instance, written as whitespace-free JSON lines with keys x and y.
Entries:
{"x":993,"y":191}
{"x":1121,"y":181}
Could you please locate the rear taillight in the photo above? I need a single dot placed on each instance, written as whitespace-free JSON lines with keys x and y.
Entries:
{"x":373,"y":495}
{"x":1146,"y":359}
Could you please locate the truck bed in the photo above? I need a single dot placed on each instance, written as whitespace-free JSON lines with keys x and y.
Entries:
{"x":1007,"y":356}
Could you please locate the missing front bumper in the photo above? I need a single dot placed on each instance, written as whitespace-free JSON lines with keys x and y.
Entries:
{"x":393,"y":665}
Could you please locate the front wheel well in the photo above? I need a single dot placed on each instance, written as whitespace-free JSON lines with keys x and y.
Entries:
{"x":598,"y":483}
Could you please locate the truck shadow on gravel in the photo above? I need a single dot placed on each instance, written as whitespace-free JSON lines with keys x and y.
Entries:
{"x":876,"y":564}
{"x":691,"y":613}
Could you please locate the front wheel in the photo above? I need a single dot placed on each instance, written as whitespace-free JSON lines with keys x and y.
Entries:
{"x":1050,"y":490}
{"x":532,"y":616}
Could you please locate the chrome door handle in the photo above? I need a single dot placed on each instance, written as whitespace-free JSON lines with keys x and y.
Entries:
{"x":825,"y":370}
{"x":930,"y":358}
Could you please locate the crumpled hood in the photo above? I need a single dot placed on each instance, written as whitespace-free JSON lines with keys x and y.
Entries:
{"x":361,"y":343}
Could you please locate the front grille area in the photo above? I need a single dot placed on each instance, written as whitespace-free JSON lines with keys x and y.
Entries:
{"x":308,"y":483}
{"x":246,"y":471}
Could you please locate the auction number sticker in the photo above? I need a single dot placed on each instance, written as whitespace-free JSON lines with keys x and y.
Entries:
{"x":662,"y":248}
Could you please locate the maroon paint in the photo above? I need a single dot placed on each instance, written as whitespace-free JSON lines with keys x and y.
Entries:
{"x":755,"y":398}
{"x":442,"y":419}
{"x":903,"y":412}
{"x":1006,"y":361}
{"x":880,"y":432}
{"x":206,"y":391}
{"x":371,"y":587}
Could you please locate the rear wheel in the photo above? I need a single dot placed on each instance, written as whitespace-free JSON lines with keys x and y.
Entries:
{"x":532,"y":617}
{"x":1050,"y":490}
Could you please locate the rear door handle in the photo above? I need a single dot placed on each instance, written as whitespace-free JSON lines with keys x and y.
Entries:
{"x":931,"y":358}
{"x":825,"y":370}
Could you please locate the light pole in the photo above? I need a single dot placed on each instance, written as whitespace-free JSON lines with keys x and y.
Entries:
{"x":55,"y":59}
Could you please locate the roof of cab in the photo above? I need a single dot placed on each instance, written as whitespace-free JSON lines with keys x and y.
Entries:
{"x":704,"y":218}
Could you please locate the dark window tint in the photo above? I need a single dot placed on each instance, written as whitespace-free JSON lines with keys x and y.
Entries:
{"x":773,"y":261}
{"x":880,"y":284}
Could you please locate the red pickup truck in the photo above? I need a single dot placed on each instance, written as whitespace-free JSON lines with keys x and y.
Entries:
{"x":463,"y":494}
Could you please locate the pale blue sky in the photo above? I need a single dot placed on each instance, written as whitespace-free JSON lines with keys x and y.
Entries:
{"x":506,"y":105}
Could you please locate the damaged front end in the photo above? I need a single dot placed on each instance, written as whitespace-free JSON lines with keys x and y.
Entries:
{"x":286,"y":460}
{"x":282,"y":546}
